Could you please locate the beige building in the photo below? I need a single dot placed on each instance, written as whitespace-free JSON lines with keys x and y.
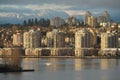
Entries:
{"x":62,"y":52}
{"x":55,"y":39}
{"x":59,"y":40}
{"x":109,"y":52}
{"x":57,"y":21}
{"x":83,"y":42}
{"x":11,"y":51}
{"x":72,"y":20}
{"x":17,"y":39}
{"x":49,"y":38}
{"x":37,"y":52}
{"x":92,"y":21}
{"x":87,"y":14}
{"x":32,"y":39}
{"x":109,"y":40}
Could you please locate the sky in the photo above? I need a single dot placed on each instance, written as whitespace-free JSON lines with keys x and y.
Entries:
{"x":15,"y":11}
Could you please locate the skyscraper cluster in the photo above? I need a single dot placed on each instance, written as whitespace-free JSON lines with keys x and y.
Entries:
{"x":94,"y":21}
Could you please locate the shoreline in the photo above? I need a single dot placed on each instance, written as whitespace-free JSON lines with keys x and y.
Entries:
{"x":73,"y":57}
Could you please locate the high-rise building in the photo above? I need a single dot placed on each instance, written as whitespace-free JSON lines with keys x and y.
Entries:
{"x":59,"y":40}
{"x":57,"y":21}
{"x":72,"y":20}
{"x":87,"y":14}
{"x":55,"y":39}
{"x":50,"y":38}
{"x":109,"y":40}
{"x":32,"y":39}
{"x":92,"y":21}
{"x":83,"y":41}
{"x":104,"y":18}
{"x":17,"y":39}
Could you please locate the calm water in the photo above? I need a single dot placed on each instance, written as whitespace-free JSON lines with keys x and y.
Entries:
{"x":67,"y":69}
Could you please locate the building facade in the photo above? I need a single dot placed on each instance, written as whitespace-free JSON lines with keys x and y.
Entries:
{"x":83,"y":42}
{"x":109,"y":40}
{"x":57,"y":21}
{"x":92,"y":21}
{"x":104,"y":18}
{"x":55,"y":39}
{"x":59,"y":40}
{"x":32,"y":39}
{"x":17,"y":39}
{"x":85,"y":17}
{"x":72,"y":21}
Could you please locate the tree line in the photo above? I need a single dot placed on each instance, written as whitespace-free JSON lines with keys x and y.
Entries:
{"x":37,"y":22}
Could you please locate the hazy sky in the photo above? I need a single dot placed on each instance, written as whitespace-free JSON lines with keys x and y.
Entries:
{"x":19,"y":9}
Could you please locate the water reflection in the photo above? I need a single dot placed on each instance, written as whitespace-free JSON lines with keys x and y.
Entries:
{"x":67,"y":69}
{"x":78,"y":64}
{"x":81,"y":64}
{"x":53,"y":64}
{"x":109,"y":63}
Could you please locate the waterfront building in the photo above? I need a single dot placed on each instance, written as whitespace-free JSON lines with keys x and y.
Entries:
{"x":70,"y":39}
{"x":109,"y":40}
{"x":62,"y":52}
{"x":11,"y":51}
{"x":85,"y":17}
{"x":109,"y":52}
{"x":83,"y":42}
{"x":49,"y":37}
{"x":55,"y":39}
{"x":37,"y":52}
{"x":94,"y":36}
{"x":57,"y":21}
{"x":17,"y":39}
{"x":32,"y":39}
{"x":59,"y":40}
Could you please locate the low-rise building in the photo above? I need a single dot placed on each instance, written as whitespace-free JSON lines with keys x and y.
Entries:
{"x":62,"y":52}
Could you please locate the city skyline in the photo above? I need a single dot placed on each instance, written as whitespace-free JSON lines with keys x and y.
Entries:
{"x":16,"y":11}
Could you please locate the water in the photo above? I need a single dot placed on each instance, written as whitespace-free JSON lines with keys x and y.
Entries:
{"x":67,"y":69}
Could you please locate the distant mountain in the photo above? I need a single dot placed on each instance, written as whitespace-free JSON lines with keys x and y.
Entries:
{"x":20,"y":17}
